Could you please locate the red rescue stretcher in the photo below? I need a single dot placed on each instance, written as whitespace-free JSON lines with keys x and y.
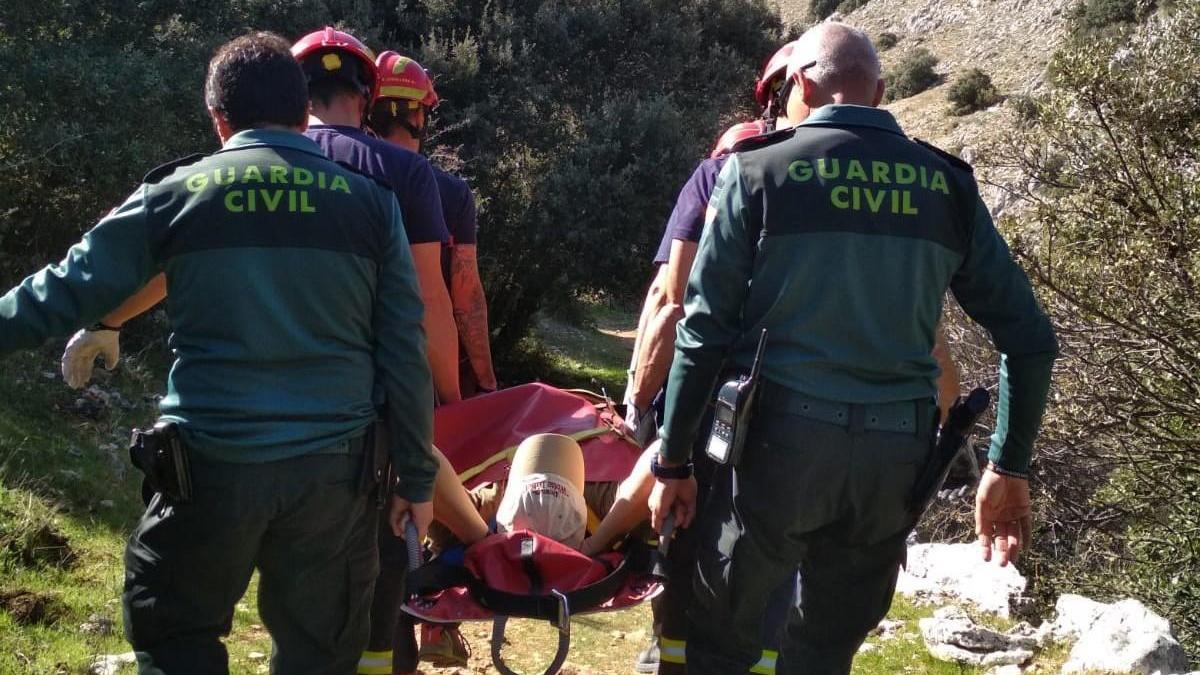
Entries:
{"x":523,"y":574}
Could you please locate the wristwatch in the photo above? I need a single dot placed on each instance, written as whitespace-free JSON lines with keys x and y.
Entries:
{"x":680,"y":472}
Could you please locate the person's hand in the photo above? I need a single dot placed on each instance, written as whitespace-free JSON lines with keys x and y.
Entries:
{"x":588,"y":547}
{"x":79,"y":357}
{"x":1003,"y":516}
{"x":678,"y":496}
{"x":420,"y":512}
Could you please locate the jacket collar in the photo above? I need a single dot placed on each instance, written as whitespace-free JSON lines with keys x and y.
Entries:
{"x":278,"y":138}
{"x":845,"y":115}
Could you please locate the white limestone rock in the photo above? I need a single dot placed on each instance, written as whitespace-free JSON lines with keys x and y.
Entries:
{"x":951,"y":572}
{"x":1125,"y":637}
{"x":951,"y":635}
{"x":111,"y":664}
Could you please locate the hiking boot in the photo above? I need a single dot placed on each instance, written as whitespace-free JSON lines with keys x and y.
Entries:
{"x":647,"y":660}
{"x":443,"y":646}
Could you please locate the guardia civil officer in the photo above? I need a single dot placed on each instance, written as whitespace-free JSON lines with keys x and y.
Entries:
{"x":839,"y":237}
{"x":293,"y":294}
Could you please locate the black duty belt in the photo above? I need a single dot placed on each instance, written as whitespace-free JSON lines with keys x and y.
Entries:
{"x":904,"y":417}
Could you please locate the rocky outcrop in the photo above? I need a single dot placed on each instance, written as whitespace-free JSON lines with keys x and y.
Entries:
{"x":941,"y":573}
{"x":1122,"y":637}
{"x":951,"y":635}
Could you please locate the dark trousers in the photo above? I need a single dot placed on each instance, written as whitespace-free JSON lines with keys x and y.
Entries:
{"x":821,"y":499}
{"x":671,"y":607}
{"x":302,"y":522}
{"x":392,"y":631}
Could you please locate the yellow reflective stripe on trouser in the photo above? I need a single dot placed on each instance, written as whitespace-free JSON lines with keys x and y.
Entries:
{"x":766,"y":665}
{"x":675,"y":651}
{"x":375,"y":663}
{"x":672,"y":651}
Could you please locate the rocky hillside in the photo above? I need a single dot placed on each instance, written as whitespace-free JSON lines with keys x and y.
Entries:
{"x":1011,"y":40}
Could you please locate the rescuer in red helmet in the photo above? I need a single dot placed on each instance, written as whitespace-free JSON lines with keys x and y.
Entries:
{"x":400,"y":116}
{"x":343,"y":81}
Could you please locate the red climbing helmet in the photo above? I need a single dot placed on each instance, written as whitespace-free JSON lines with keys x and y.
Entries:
{"x":403,"y":78}
{"x":736,"y":134}
{"x":772,"y":78}
{"x":323,"y":54}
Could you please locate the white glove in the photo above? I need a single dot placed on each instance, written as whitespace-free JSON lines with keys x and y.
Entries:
{"x":80,"y":355}
{"x":642,"y":427}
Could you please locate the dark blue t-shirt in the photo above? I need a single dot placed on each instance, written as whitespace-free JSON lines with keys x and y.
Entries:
{"x":458,"y":207}
{"x":409,"y":175}
{"x":687,"y":220}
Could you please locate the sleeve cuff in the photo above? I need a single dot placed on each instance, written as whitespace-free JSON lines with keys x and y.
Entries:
{"x":415,"y":492}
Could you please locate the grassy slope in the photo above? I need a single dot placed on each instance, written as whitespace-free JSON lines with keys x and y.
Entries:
{"x":54,"y":467}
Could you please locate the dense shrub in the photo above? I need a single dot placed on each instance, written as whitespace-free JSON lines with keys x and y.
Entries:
{"x":1092,"y":17}
{"x":820,"y":9}
{"x":1109,"y":169}
{"x":885,"y":41}
{"x":972,"y":91}
{"x":911,"y":76}
{"x":576,"y":122}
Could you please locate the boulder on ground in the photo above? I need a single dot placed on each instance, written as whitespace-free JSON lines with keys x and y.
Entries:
{"x":939,"y":572}
{"x":1122,"y":637}
{"x":951,"y":635}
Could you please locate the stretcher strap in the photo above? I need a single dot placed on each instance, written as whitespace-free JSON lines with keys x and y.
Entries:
{"x":435,"y":577}
{"x":507,"y":453}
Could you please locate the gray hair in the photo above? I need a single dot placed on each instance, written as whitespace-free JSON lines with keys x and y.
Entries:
{"x":845,"y":57}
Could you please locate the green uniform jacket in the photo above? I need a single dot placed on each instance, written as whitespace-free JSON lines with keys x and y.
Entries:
{"x":292,"y":296}
{"x":840,"y":237}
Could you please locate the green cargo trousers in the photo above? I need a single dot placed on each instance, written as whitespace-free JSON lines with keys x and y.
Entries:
{"x":301,"y":522}
{"x":821,"y":497}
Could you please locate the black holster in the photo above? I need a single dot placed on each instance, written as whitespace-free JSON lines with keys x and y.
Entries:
{"x":160,"y":455}
{"x":376,"y":462}
{"x":954,"y":433}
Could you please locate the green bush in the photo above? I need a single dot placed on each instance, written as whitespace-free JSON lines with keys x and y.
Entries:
{"x":885,"y":41}
{"x":911,"y":76}
{"x":972,"y":91}
{"x":1092,"y":17}
{"x":820,"y":9}
{"x":1111,"y":237}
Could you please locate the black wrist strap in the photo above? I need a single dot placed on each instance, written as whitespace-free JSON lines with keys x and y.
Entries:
{"x":100,"y":325}
{"x":671,"y":472}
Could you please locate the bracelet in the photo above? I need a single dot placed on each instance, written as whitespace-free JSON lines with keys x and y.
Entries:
{"x":1006,"y":472}
{"x":100,"y":325}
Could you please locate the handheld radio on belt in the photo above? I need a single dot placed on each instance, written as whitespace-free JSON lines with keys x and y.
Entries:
{"x":731,"y":414}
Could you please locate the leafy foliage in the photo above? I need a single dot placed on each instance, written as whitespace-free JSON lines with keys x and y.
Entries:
{"x":820,"y":9}
{"x":575,"y":122}
{"x":972,"y":91}
{"x":912,"y":75}
{"x":886,"y":40}
{"x":1091,"y":18}
{"x":1110,"y":167}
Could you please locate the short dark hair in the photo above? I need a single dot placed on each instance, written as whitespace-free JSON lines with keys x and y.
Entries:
{"x":253,"y":80}
{"x":326,"y":90}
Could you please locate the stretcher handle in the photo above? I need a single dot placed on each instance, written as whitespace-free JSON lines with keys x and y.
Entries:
{"x":412,"y":541}
{"x":668,"y":531}
{"x":563,"y":623}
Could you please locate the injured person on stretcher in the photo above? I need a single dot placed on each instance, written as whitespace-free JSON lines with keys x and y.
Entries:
{"x":545,"y":493}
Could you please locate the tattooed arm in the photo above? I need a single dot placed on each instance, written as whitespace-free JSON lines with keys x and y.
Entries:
{"x":470,"y":313}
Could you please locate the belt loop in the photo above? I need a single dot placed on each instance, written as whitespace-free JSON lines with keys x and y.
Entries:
{"x":858,"y":415}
